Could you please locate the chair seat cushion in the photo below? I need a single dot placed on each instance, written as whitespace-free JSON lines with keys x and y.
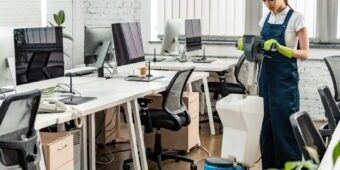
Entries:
{"x":161,"y":119}
{"x":214,"y":87}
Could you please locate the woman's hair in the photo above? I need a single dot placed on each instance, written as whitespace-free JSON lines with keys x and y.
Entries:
{"x":286,"y":2}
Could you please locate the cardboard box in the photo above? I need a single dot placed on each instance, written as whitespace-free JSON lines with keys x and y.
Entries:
{"x":187,"y":137}
{"x":58,"y":150}
{"x":107,"y":124}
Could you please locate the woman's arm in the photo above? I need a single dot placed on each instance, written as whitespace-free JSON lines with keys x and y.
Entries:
{"x":303,"y":52}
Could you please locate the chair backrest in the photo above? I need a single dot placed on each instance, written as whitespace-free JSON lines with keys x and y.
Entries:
{"x":306,"y":134}
{"x":333,"y":65}
{"x":172,"y":97}
{"x":37,"y":62}
{"x":238,"y":70}
{"x":17,"y":135}
{"x":332,"y":111}
{"x":17,"y":115}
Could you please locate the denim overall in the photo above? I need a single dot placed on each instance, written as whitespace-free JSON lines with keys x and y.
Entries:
{"x":278,"y":85}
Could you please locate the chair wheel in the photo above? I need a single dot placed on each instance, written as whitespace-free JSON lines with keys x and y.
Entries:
{"x":193,"y":167}
{"x":126,"y":167}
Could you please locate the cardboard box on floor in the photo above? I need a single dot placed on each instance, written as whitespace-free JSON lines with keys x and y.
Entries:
{"x":58,"y":150}
{"x":107,"y":124}
{"x":187,"y":137}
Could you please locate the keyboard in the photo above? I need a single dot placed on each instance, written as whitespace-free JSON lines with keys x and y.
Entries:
{"x":143,"y":79}
{"x":81,"y":71}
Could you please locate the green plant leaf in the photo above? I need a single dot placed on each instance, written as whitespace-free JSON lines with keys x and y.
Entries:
{"x":67,"y":36}
{"x":61,"y":15}
{"x":313,"y":153}
{"x":57,"y":19}
{"x":292,"y":165}
{"x":336,"y":153}
{"x":310,"y":165}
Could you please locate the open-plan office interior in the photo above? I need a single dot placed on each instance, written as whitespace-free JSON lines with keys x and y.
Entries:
{"x":169,"y":84}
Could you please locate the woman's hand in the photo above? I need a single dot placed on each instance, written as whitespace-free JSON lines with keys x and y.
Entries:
{"x":286,"y":51}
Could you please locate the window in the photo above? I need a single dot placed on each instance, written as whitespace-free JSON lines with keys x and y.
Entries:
{"x":218,"y":17}
{"x":308,"y":10}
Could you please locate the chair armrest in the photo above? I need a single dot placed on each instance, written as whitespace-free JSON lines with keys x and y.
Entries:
{"x":145,"y":115}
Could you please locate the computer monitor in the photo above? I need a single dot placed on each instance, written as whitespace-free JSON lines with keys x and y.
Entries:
{"x":193,"y":35}
{"x":128,"y":43}
{"x":170,"y":40}
{"x":6,"y":53}
{"x":38,"y":54}
{"x":98,"y":45}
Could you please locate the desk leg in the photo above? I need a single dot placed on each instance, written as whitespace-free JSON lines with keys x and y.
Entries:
{"x":42,"y":165}
{"x":92,"y":141}
{"x":140,"y":137}
{"x":84,"y":144}
{"x":202,"y":103}
{"x":132,"y":135}
{"x":208,"y":103}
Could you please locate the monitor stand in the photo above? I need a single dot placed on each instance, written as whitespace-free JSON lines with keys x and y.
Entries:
{"x":71,"y":99}
{"x":156,"y":59}
{"x":203,"y":59}
{"x":101,"y":55}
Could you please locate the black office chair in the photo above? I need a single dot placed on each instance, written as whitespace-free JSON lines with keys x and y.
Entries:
{"x":18,"y":138}
{"x":306,"y":134}
{"x":333,"y":65}
{"x":223,"y":88}
{"x":173,"y":117}
{"x":37,"y":62}
{"x":332,"y":112}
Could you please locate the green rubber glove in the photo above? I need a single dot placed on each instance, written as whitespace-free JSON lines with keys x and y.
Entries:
{"x":286,"y":51}
{"x":240,"y":44}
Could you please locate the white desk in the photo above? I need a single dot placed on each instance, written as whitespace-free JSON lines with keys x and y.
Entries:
{"x":327,"y":160}
{"x":109,"y":93}
{"x":218,"y":65}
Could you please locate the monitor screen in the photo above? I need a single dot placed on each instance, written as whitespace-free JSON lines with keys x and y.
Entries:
{"x":94,"y":43}
{"x":128,"y":43}
{"x":170,"y":40}
{"x":38,"y":54}
{"x":193,"y":34}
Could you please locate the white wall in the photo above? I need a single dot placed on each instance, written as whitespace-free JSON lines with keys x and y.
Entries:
{"x":20,"y":13}
{"x":106,"y":12}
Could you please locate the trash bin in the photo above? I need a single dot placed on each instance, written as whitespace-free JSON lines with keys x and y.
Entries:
{"x":241,"y":117}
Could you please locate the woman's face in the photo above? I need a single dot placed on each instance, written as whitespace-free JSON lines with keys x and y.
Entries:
{"x":273,"y":5}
